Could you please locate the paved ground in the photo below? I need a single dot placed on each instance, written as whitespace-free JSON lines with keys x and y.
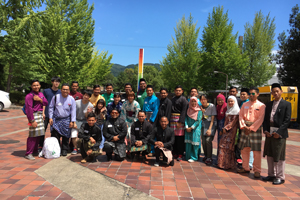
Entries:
{"x":23,"y":179}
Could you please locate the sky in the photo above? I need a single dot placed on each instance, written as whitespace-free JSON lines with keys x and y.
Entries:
{"x":122,"y":27}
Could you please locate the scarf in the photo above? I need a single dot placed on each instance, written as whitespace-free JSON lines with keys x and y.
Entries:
{"x":234,"y":110}
{"x":192,"y":112}
{"x":221,"y":110}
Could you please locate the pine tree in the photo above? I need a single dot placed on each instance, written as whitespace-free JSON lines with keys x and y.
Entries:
{"x":180,"y":65}
{"x":257,"y":45}
{"x":219,"y":52}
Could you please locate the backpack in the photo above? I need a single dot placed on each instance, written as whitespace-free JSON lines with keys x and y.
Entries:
{"x":51,"y":148}
{"x":24,"y":107}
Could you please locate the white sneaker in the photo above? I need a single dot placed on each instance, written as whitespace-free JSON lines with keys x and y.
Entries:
{"x":30,"y":157}
{"x":191,"y":161}
{"x":156,"y":164}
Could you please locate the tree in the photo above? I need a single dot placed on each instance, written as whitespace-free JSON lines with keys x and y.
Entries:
{"x":219,"y":52}
{"x":257,"y":45}
{"x":95,"y":71}
{"x":288,"y":56}
{"x":180,"y":66}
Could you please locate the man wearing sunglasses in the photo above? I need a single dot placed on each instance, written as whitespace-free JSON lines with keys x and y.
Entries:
{"x":251,"y":118}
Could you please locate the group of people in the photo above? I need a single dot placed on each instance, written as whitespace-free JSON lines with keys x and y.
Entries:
{"x":140,"y":125}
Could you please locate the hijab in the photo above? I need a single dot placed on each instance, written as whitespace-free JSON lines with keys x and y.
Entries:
{"x":221,"y":110}
{"x":234,"y":110}
{"x":192,"y":112}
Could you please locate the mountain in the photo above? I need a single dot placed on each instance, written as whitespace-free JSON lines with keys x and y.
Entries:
{"x":117,"y":68}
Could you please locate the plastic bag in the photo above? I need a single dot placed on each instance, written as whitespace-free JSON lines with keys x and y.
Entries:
{"x":51,"y":148}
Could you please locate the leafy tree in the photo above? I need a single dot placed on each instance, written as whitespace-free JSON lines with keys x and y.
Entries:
{"x":95,"y":71}
{"x":257,"y":45}
{"x":288,"y":55}
{"x":181,"y":64}
{"x":219,"y":52}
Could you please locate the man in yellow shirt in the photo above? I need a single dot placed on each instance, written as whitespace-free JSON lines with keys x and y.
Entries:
{"x":96,"y":95}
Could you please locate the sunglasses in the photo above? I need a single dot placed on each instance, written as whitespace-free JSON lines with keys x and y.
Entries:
{"x":252,"y":94}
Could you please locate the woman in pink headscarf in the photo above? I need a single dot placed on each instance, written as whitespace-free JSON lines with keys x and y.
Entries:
{"x":192,"y":130}
{"x":221,"y":111}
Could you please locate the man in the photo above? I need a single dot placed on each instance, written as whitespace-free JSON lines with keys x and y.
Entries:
{"x":62,"y":117}
{"x":76,"y":95}
{"x":108,"y":96}
{"x":179,"y":109}
{"x":49,"y":93}
{"x":117,"y":104}
{"x":276,"y":123}
{"x":164,"y":142}
{"x":115,"y":131}
{"x":96,"y":95}
{"x":233,"y":92}
{"x":165,"y":107}
{"x":83,"y":108}
{"x":151,"y":105}
{"x":251,"y":118}
{"x":90,"y":137}
{"x":194,"y":93}
{"x":142,"y":93}
{"x":140,"y":135}
{"x":128,"y":88}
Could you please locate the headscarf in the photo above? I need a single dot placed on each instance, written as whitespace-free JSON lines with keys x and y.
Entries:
{"x":234,"y":110}
{"x":221,"y":110}
{"x":192,"y":112}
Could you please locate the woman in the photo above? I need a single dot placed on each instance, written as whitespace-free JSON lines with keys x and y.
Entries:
{"x":226,"y":157}
{"x":34,"y":102}
{"x":192,"y":130}
{"x":221,"y":110}
{"x":208,"y":129}
{"x":100,"y":112}
{"x":129,"y":112}
{"x":115,"y":104}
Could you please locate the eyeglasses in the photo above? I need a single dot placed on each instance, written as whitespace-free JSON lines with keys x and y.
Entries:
{"x":252,"y":94}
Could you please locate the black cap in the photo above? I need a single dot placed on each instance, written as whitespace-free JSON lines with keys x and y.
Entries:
{"x":276,"y":85}
{"x":245,"y":90}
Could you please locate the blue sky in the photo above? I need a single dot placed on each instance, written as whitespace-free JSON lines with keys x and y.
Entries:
{"x":124,"y":26}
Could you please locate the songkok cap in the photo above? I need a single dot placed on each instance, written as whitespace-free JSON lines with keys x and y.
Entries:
{"x":276,"y":85}
{"x":245,"y":90}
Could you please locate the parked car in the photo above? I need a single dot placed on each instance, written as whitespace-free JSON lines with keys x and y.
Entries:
{"x":4,"y":100}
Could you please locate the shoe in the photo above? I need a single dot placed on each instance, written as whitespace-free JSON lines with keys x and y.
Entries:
{"x":208,"y":161}
{"x":191,"y":160}
{"x":278,"y":181}
{"x":242,"y":171}
{"x":204,"y":159}
{"x":179,"y":158}
{"x":256,"y":175}
{"x":156,"y":164}
{"x":64,"y":153}
{"x":269,"y":178}
{"x":30,"y":157}
{"x":83,"y":161}
{"x":239,"y":161}
{"x":74,"y":152}
{"x":171,"y":163}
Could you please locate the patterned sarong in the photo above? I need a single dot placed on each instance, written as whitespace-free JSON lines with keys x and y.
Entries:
{"x":141,"y":148}
{"x":40,"y":129}
{"x":118,"y":148}
{"x":174,"y":119}
{"x":252,"y":140}
{"x":61,"y":125}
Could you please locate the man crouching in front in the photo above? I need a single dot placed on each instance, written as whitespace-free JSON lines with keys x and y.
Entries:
{"x":89,"y":139}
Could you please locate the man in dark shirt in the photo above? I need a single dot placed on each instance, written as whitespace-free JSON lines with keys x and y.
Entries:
{"x":115,"y":131}
{"x":165,"y":107}
{"x":74,"y":93}
{"x":89,"y":139}
{"x":164,"y":142}
{"x":140,"y":134}
{"x":179,"y":109}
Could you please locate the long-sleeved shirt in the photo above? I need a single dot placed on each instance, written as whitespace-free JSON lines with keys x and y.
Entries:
{"x":166,"y":136}
{"x":151,"y":104}
{"x":164,"y":109}
{"x":112,"y":105}
{"x":141,"y":96}
{"x":94,"y":99}
{"x":252,"y":112}
{"x":86,"y":131}
{"x":64,"y":107}
{"x":140,"y":132}
{"x":49,"y":94}
{"x":114,"y":127}
{"x":130,"y":111}
{"x":108,"y":97}
{"x":180,"y":105}
{"x":34,"y":106}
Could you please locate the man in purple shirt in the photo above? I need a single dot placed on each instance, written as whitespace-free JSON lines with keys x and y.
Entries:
{"x":62,"y":116}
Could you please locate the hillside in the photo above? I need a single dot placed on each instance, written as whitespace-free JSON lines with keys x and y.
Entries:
{"x":117,"y":68}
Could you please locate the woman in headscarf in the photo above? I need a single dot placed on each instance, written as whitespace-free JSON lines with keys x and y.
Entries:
{"x":221,"y":110}
{"x":226,"y":157}
{"x":192,"y":130}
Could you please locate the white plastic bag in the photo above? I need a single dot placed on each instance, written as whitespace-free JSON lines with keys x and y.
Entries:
{"x":51,"y":148}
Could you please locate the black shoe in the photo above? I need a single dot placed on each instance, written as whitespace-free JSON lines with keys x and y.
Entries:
{"x":172,"y":163}
{"x":278,"y":181}
{"x":64,"y":153}
{"x":269,"y":178}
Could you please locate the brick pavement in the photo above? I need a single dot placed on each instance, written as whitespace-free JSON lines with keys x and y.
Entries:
{"x":183,"y":181}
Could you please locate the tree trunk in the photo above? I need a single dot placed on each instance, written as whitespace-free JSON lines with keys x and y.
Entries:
{"x":9,"y":78}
